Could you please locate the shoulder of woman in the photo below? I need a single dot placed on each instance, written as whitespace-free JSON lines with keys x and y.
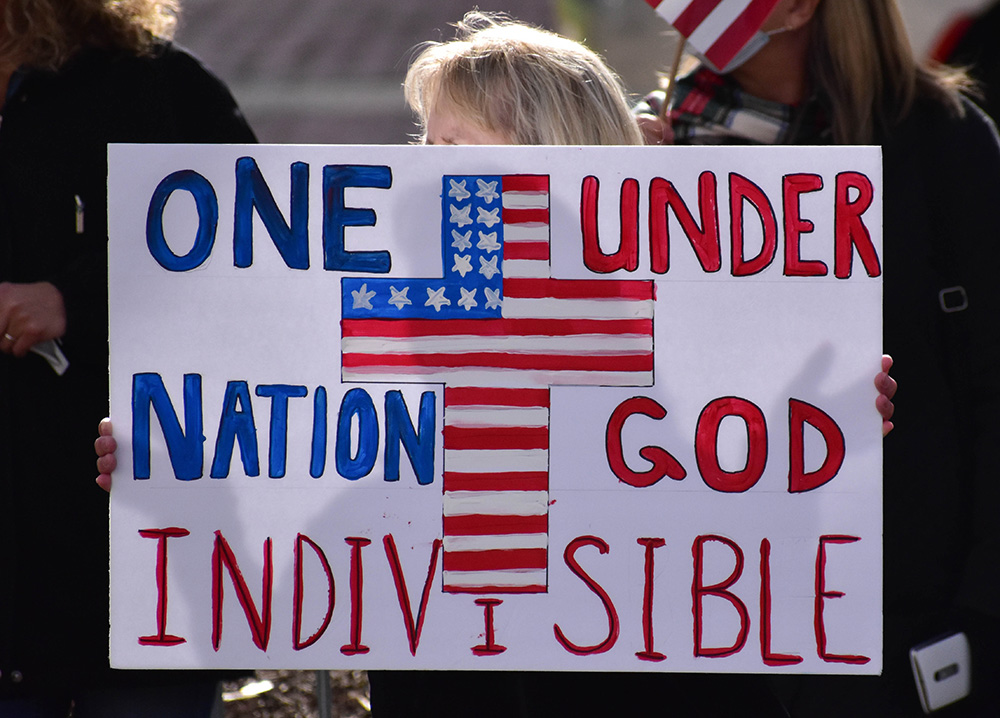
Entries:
{"x":166,"y":95}
{"x":202,"y":106}
{"x":958,"y":154}
{"x":933,"y":122}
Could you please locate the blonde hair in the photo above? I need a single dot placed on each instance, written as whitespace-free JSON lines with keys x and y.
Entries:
{"x":862,"y":62}
{"x":46,"y":33}
{"x":531,"y":85}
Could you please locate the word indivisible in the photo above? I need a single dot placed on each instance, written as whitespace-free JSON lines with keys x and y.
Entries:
{"x":259,"y":610}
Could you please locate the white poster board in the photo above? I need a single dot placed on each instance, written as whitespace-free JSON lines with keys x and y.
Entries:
{"x":496,"y":408}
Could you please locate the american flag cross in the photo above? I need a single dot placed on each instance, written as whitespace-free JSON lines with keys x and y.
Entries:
{"x":498,"y":332}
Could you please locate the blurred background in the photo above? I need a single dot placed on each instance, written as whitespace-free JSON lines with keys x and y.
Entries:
{"x":330,"y":71}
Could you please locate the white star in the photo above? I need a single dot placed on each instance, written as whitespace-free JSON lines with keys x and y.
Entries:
{"x":468,"y":299}
{"x":462,"y":241}
{"x":492,"y":298}
{"x":458,"y":190}
{"x":362,"y":297}
{"x":488,"y":269}
{"x":488,"y":217}
{"x":463,"y":265}
{"x":488,"y":242}
{"x":460,"y":215}
{"x":487,"y":190}
{"x":436,"y":298}
{"x":399,"y":298}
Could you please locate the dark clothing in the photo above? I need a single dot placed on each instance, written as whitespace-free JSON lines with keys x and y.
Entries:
{"x":529,"y":694}
{"x":941,"y":187}
{"x":941,"y":190}
{"x":53,"y":227}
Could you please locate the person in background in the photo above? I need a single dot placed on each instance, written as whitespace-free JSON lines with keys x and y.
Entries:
{"x":74,"y":76}
{"x":503,"y":82}
{"x":507,"y":83}
{"x":843,"y":72}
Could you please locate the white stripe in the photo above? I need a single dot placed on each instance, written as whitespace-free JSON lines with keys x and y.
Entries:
{"x":496,"y":460}
{"x":745,"y":124}
{"x":530,"y":268}
{"x":480,"y":417}
{"x":579,"y":344}
{"x":547,"y":308}
{"x":499,"y":541}
{"x":499,"y":378}
{"x":496,"y":503}
{"x":670,"y":10}
{"x":526,"y":200}
{"x":526,"y":233}
{"x":717,"y":22}
{"x":511,"y":578}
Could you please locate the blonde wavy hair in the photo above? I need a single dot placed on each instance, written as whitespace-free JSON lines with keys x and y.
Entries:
{"x":531,"y":85}
{"x":46,"y":33}
{"x":862,"y":61}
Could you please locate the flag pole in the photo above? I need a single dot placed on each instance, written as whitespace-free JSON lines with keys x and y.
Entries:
{"x":674,"y":67}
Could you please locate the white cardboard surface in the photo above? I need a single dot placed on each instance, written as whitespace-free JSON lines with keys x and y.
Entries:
{"x":606,"y":593}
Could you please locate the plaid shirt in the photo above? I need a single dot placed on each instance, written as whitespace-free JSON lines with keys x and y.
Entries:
{"x":711,"y":109}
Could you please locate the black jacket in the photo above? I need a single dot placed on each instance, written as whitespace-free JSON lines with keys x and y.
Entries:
{"x":941,"y":190}
{"x":941,"y":487}
{"x":53,"y":176}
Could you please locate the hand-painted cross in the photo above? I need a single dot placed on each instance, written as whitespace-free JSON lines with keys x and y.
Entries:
{"x":497,"y":331}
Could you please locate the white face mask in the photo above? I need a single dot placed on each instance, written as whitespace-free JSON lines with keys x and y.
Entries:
{"x":756,"y":43}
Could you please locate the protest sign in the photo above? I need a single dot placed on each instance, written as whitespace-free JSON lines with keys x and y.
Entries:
{"x":496,"y":408}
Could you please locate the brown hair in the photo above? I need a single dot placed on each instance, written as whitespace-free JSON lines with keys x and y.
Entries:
{"x":862,"y":62}
{"x":45,"y":33}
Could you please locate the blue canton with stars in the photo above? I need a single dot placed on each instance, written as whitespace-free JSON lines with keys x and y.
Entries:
{"x":472,"y":252}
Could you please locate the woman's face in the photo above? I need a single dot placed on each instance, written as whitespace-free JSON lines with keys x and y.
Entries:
{"x":447,"y":126}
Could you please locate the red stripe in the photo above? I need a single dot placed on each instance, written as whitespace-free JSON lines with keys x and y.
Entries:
{"x":694,"y":15}
{"x":499,"y":360}
{"x":526,"y":250}
{"x":490,"y":589}
{"x":483,"y":525}
{"x":739,"y":32}
{"x":653,"y":3}
{"x":396,"y":328}
{"x":509,"y":481}
{"x":578,"y":289}
{"x":697,"y":100}
{"x":495,"y":559}
{"x":496,"y":437}
{"x":525,"y":183}
{"x":476,"y":396}
{"x":525,"y":216}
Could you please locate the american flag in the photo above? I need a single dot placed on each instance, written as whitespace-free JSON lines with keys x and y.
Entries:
{"x":497,"y":331}
{"x":718,"y":29}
